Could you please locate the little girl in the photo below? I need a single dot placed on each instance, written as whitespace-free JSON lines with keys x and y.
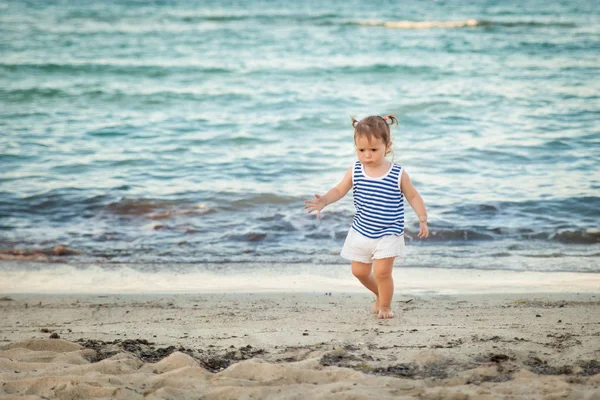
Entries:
{"x":379,"y":186}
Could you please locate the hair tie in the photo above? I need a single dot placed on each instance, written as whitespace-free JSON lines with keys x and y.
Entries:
{"x":386,"y":117}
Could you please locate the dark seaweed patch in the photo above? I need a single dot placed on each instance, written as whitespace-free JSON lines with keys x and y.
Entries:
{"x":541,"y":367}
{"x":589,"y":368}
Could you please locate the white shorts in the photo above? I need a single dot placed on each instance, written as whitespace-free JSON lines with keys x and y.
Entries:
{"x":363,"y":249}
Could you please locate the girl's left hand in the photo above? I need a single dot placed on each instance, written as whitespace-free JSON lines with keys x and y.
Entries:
{"x":423,"y":230}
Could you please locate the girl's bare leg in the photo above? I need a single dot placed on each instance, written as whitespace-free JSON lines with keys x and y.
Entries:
{"x":385,"y":285}
{"x":365,"y":275}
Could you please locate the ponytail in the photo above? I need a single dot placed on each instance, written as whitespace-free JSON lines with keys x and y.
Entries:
{"x":390,"y":120}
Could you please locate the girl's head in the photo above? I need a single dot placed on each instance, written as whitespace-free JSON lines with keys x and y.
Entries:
{"x":374,"y":129}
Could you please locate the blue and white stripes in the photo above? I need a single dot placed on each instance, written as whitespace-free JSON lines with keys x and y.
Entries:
{"x":379,"y":203}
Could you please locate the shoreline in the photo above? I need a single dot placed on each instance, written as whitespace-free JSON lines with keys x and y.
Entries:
{"x":249,"y":278}
{"x":294,"y":345}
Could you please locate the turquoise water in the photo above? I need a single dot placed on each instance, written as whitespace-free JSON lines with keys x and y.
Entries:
{"x":189,"y":134}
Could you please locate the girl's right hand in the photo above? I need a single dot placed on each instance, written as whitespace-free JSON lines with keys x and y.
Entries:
{"x":423,"y":230}
{"x":317,"y":204}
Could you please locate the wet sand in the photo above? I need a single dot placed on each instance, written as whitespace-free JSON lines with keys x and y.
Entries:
{"x":300,"y":345}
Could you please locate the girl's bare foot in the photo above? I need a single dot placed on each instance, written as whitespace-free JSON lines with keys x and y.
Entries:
{"x":385,"y":313}
{"x":376,"y":306}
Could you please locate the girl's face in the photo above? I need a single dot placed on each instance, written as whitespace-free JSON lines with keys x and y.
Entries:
{"x":371,"y":152}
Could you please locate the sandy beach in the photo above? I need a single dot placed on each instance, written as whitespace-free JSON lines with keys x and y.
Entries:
{"x":168,"y":228}
{"x":300,"y":345}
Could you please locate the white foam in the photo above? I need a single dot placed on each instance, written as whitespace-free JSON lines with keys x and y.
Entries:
{"x":422,"y":24}
{"x":286,"y":278}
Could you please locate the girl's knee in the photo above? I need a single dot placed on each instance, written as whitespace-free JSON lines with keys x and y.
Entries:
{"x":383,"y":274}
{"x":361,"y":270}
{"x":383,"y":268}
{"x":361,"y":273}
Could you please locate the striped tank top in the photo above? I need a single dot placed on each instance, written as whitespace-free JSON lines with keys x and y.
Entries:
{"x":379,"y":203}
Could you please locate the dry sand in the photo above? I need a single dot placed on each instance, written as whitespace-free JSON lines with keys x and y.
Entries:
{"x":304,"y":346}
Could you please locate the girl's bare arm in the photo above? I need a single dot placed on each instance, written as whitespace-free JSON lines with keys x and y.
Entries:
{"x":335,"y":194}
{"x":416,"y":202}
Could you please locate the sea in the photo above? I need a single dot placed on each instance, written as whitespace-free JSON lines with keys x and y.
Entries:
{"x":181,"y":137}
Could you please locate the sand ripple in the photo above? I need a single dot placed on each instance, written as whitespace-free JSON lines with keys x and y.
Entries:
{"x":58,"y":369}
